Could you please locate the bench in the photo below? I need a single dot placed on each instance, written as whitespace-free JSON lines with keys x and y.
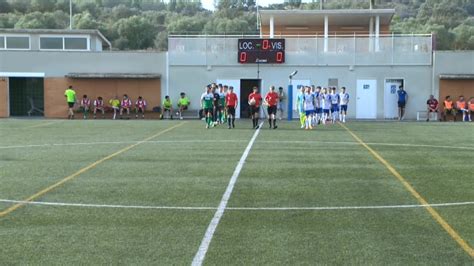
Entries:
{"x":423,"y":115}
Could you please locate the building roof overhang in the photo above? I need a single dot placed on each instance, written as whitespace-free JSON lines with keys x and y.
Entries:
{"x":113,"y":75}
{"x":338,"y":17}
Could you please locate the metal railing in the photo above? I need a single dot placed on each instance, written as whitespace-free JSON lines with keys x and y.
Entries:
{"x":392,"y":49}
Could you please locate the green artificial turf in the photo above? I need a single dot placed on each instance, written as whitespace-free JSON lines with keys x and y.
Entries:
{"x":190,"y":166}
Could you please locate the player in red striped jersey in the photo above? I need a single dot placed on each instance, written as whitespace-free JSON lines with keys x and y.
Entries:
{"x":125,"y":105}
{"x":99,"y":106}
{"x":85,"y":106}
{"x":140,"y":106}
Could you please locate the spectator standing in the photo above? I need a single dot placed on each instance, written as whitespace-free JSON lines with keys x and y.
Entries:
{"x":402,"y":101}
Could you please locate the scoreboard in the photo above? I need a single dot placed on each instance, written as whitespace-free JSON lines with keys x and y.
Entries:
{"x":263,"y":51}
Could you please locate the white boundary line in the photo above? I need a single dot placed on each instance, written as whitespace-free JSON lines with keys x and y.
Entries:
{"x":235,"y":141}
{"x":115,"y":142}
{"x":370,"y":143}
{"x":211,"y":229}
{"x":113,"y":206}
{"x":321,"y":208}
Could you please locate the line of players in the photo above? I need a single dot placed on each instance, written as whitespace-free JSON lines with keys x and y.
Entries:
{"x":220,"y":102}
{"x":118,"y":106}
{"x":319,"y":105}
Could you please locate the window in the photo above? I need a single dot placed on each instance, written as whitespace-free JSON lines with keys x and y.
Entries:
{"x":51,"y":43}
{"x":2,"y":42}
{"x":18,"y":42}
{"x":75,"y":43}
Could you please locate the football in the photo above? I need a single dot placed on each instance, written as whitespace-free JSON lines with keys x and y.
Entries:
{"x":252,"y":101}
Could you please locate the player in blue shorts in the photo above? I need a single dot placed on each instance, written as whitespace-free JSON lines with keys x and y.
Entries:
{"x":308,"y":108}
{"x":344,"y":101}
{"x":326,"y":105}
{"x":334,"y":105}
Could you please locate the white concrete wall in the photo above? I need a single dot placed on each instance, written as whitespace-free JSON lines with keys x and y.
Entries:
{"x":192,"y":80}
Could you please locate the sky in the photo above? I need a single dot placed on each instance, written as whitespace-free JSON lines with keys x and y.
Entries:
{"x":209,"y":4}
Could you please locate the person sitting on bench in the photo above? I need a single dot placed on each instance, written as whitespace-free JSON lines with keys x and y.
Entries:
{"x":85,"y":106}
{"x":167,"y":107}
{"x":432,"y":105}
{"x":99,"y":106}
{"x":471,"y":108}
{"x":140,"y":106}
{"x":183,"y":104}
{"x":461,"y":107}
{"x":449,"y":108}
{"x":125,"y":105}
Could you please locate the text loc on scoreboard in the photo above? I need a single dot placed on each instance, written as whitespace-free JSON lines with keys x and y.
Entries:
{"x":266,"y":51}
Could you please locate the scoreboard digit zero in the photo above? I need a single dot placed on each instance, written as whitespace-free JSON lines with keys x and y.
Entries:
{"x":263,"y":51}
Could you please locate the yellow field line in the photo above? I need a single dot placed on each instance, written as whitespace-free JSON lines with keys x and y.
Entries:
{"x":464,"y":245}
{"x":83,"y":170}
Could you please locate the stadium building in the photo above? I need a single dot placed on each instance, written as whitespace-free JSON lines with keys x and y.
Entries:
{"x":350,"y":48}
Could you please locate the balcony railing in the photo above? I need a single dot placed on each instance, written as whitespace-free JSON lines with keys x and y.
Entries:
{"x":356,"y":50}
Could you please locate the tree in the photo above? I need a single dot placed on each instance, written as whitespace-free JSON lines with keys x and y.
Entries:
{"x":20,"y":6}
{"x":8,"y":20}
{"x":444,"y":38}
{"x":85,"y":21}
{"x":464,"y":37}
{"x":136,"y":32}
{"x":36,"y":20}
{"x":187,"y":25}
{"x":5,"y":6}
{"x":42,"y":5}
{"x":122,"y":11}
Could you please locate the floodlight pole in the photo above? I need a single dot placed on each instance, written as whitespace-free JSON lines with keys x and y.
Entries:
{"x":70,"y":14}
{"x":290,"y":99}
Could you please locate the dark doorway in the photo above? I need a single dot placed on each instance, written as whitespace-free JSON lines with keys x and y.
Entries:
{"x":246,"y":86}
{"x":26,"y":96}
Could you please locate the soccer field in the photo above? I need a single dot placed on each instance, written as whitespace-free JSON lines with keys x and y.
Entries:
{"x":152,"y":192}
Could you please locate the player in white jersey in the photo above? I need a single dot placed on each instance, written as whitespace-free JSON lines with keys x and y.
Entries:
{"x":334,"y":105}
{"x":317,"y":105}
{"x":326,"y":105}
{"x":313,"y":92}
{"x":344,"y":101}
{"x":308,"y":105}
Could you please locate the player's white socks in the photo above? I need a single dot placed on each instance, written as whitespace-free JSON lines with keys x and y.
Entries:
{"x":343,"y":118}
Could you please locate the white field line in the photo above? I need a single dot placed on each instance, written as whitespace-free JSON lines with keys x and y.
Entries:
{"x":317,"y":208}
{"x":211,"y":229}
{"x":116,"y":142}
{"x":370,"y":143}
{"x":113,"y":206}
{"x":235,"y":141}
{"x":43,"y":124}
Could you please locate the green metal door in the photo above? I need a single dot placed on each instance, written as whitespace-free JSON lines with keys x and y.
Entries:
{"x":26,"y":96}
